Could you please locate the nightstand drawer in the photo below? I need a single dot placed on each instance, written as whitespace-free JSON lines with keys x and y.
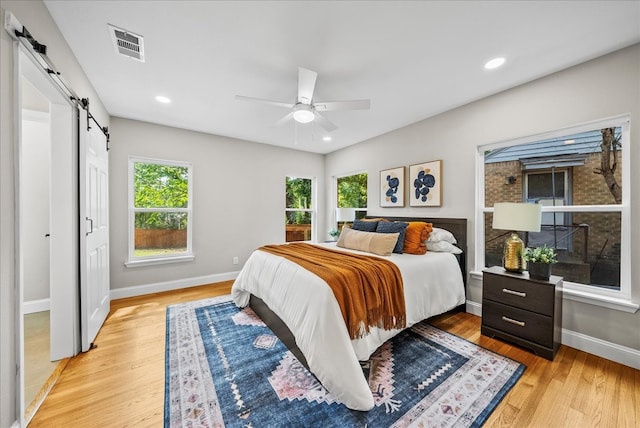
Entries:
{"x":521,"y":293}
{"x":527,"y":325}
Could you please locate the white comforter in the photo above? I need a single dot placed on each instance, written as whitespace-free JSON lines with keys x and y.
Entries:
{"x":432,"y":285}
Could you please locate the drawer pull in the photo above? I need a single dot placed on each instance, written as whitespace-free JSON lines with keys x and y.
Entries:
{"x":515,"y":293}
{"x":512,"y":321}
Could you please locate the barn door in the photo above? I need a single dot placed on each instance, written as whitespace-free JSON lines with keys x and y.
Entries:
{"x":94,"y":229}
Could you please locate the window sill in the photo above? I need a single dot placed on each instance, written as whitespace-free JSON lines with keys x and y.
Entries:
{"x":572,"y":292}
{"x":159,"y":261}
{"x":585,"y":296}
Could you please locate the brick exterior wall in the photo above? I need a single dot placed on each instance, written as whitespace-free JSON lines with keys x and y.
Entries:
{"x":588,"y":188}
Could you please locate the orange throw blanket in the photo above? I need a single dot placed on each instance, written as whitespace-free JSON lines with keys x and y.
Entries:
{"x":369,"y":290}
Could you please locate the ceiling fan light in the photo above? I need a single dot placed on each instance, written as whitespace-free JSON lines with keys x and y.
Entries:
{"x":303,"y":114}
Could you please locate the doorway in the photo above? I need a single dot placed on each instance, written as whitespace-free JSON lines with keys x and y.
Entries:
{"x":46,"y":231}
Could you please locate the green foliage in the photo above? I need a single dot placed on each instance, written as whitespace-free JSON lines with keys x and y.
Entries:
{"x":542,"y":254}
{"x":352,"y":191}
{"x":160,"y":186}
{"x":298,"y":193}
{"x":160,"y":220}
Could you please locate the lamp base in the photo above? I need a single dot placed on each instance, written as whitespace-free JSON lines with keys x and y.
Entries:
{"x":513,"y":260}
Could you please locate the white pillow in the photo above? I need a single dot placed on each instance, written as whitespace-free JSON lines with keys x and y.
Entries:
{"x":443,"y":247}
{"x":438,"y":234}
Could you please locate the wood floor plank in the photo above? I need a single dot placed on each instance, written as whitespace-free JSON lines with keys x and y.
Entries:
{"x":121,"y":382}
{"x":629,"y":393}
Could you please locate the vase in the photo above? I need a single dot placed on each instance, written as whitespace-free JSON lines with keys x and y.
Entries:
{"x":539,"y":270}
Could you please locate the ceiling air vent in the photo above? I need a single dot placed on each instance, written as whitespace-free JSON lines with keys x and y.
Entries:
{"x":127,"y":43}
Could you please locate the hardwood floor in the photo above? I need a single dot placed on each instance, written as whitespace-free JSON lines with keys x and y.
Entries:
{"x":121,"y":382}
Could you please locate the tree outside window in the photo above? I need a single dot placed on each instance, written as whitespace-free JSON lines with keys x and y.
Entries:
{"x":299,"y":209}
{"x":352,"y":193}
{"x":161,"y":208}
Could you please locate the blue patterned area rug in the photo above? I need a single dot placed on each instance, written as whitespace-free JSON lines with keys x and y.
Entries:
{"x":225,"y":368}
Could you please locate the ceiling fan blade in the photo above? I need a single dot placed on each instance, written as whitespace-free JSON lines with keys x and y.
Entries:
{"x":343,"y":105}
{"x":306,"y":85}
{"x":258,"y":100}
{"x":286,"y":119}
{"x":324,"y":122}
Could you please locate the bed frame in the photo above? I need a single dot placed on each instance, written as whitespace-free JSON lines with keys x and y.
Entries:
{"x":457,"y":226}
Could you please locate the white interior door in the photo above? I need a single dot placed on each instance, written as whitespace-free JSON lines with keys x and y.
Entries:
{"x":94,"y":218}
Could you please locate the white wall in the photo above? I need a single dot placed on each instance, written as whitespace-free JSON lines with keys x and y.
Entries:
{"x":238,"y":199}
{"x":35,"y":16}
{"x":605,"y":87}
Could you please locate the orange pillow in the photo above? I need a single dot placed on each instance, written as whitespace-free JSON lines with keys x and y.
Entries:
{"x":415,"y":236}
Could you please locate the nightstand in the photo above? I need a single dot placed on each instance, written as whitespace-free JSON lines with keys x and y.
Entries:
{"x":522,"y":310}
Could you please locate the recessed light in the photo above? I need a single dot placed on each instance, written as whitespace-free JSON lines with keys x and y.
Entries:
{"x":327,"y":138}
{"x":494,"y":63}
{"x":162,"y":99}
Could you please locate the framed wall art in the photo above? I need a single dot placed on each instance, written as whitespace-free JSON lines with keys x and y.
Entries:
{"x":426,"y":184}
{"x":392,"y":187}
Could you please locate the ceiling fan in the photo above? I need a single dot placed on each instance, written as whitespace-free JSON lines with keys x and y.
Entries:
{"x":305,"y":110}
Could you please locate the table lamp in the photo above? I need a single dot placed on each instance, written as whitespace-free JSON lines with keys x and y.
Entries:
{"x":345,"y":215}
{"x":516,"y":217}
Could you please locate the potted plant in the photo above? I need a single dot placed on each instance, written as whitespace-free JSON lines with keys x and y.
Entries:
{"x":539,"y":261}
{"x":333,"y":233}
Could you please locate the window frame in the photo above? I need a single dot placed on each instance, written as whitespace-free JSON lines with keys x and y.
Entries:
{"x":186,"y":256}
{"x":615,"y":299}
{"x":334,"y":196}
{"x":312,"y":210}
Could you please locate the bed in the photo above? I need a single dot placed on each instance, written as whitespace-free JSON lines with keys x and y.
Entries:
{"x":309,"y":322}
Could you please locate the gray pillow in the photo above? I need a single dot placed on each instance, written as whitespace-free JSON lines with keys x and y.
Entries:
{"x":399,"y":227}
{"x":364,"y":226}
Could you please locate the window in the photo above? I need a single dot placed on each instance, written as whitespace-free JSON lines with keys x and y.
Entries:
{"x":352,"y":193}
{"x":299,"y":214}
{"x":580,"y":177}
{"x":159,"y":211}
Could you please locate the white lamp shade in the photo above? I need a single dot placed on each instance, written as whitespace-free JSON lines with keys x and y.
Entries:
{"x":345,"y":214}
{"x":517,"y":216}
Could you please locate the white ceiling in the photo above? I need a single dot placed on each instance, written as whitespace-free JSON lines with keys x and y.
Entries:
{"x":412,"y":59}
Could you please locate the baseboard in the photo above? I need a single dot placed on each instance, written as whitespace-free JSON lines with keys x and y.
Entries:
{"x":611,"y":351}
{"x":139,"y":290}
{"x":474,"y":308}
{"x":33,"y":306}
{"x":592,"y":345}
